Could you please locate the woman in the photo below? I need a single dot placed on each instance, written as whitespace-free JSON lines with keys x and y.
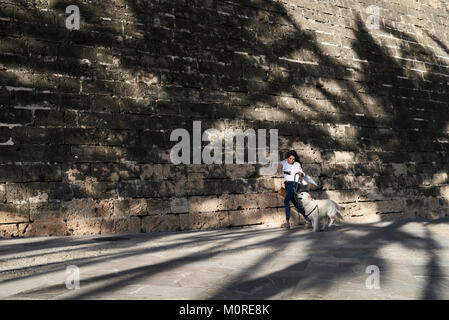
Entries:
{"x":290,"y":167}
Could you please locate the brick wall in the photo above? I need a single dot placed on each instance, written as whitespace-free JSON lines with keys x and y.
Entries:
{"x":86,"y":115}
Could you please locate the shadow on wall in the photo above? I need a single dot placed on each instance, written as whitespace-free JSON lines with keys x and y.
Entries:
{"x":86,"y":115}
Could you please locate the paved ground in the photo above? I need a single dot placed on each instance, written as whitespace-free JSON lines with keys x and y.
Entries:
{"x":245,"y":263}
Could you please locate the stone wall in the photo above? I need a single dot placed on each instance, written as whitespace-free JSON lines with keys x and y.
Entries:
{"x":86,"y":115}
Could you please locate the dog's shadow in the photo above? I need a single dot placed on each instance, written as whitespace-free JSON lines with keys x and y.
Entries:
{"x":336,"y":227}
{"x":340,"y":226}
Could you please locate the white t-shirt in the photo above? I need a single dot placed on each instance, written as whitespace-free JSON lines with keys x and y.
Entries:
{"x":289,"y":170}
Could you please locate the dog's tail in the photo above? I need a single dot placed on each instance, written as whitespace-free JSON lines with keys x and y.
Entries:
{"x":340,"y":208}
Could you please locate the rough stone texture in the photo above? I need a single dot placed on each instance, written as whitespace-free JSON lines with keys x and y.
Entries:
{"x":86,"y":115}
{"x":102,"y":226}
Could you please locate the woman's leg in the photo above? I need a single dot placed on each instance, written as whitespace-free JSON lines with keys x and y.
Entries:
{"x":289,"y":197}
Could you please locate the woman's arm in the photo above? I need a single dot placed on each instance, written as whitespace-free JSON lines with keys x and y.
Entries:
{"x":280,"y":164}
{"x":300,"y":172}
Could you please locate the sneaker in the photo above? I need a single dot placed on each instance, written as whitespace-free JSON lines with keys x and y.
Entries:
{"x":308,"y":225}
{"x":285,"y":225}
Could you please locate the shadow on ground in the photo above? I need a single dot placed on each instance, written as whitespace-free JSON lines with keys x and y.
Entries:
{"x":248,"y":263}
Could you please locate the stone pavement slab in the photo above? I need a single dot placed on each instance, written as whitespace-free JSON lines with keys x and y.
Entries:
{"x":412,"y":257}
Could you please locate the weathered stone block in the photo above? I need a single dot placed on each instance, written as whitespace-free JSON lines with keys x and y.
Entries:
{"x":444,"y":191}
{"x":245,"y":217}
{"x":262,"y":185}
{"x":87,"y":208}
{"x":105,"y":172}
{"x":38,"y":191}
{"x":361,"y":209}
{"x":141,"y":207}
{"x":75,"y":101}
{"x":158,"y":172}
{"x":4,"y":97}
{"x":344,"y":156}
{"x":390,"y":206}
{"x":238,"y":201}
{"x":179,"y":205}
{"x":96,"y":190}
{"x":46,"y":210}
{"x":198,"y":221}
{"x":237,"y":171}
{"x":105,"y":103}
{"x":81,"y":136}
{"x":75,"y":172}
{"x":96,"y":154}
{"x":49,"y":118}
{"x":129,"y":170}
{"x":13,"y":213}
{"x":2,"y":193}
{"x":41,"y":172}
{"x":117,"y":137}
{"x":11,"y":173}
{"x":399,"y":169}
{"x":16,"y":116}
{"x":143,"y":189}
{"x":30,"y":135}
{"x":341,"y":196}
{"x":45,"y":228}
{"x":204,"y":204}
{"x":201,"y":171}
{"x":274,"y":217}
{"x":269,"y":200}
{"x":161,"y":223}
{"x":12,"y":230}
{"x":33,"y":153}
{"x":180,"y":188}
{"x":91,"y":226}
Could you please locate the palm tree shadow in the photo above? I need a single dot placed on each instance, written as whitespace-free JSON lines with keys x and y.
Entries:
{"x":327,"y":272}
{"x":240,"y":61}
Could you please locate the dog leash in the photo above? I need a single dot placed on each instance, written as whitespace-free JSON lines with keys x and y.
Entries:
{"x":316,"y":207}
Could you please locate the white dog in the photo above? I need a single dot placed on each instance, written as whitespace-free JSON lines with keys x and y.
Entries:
{"x":320,"y":209}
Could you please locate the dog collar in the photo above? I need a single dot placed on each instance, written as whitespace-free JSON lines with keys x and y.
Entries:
{"x":316,"y":207}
